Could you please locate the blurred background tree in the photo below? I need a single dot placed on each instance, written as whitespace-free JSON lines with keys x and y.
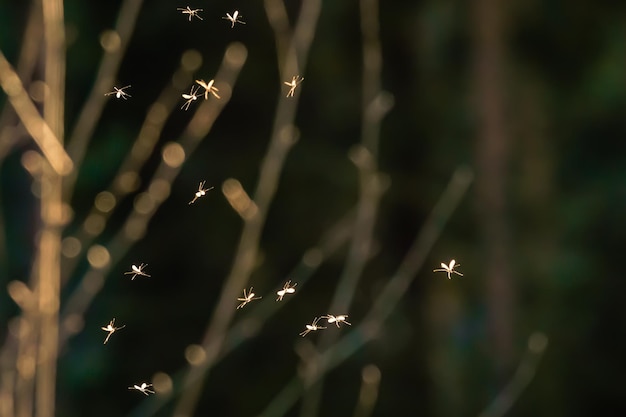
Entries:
{"x":488,"y":132}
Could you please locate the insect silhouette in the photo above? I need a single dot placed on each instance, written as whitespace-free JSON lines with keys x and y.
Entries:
{"x":312,"y":327}
{"x":110,"y":328}
{"x":247,"y":298}
{"x":449,"y":269}
{"x":234,"y":18}
{"x":119,"y":92}
{"x":137,"y":270}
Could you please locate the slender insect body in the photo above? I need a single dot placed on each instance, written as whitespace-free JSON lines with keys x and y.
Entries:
{"x":201,"y":192}
{"x":191,"y":97}
{"x":143,"y":388}
{"x":234,"y":18}
{"x":247,"y":297}
{"x":312,"y":327}
{"x":337,"y":319}
{"x":209,"y":88}
{"x":119,"y":92}
{"x":293,"y":84}
{"x":287,"y":289}
{"x":449,"y":269}
{"x":137,"y":270}
{"x":190,"y":12}
{"x":110,"y":328}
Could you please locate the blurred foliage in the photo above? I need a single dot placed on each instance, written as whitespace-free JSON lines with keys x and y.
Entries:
{"x":565,"y":90}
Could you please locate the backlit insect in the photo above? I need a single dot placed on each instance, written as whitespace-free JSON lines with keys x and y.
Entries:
{"x":449,"y":269}
{"x":312,"y":327}
{"x":110,"y":328}
{"x":137,"y":270}
{"x":234,"y":18}
{"x":293,"y":84}
{"x":337,"y":319}
{"x":247,"y":297}
{"x":191,"y":13}
{"x":143,"y":388}
{"x":201,"y":192}
{"x":119,"y":92}
{"x":192,"y":96}
{"x":208,"y":88}
{"x":287,"y":289}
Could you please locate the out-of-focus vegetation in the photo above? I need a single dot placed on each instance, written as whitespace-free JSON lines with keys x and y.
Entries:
{"x":526,"y":97}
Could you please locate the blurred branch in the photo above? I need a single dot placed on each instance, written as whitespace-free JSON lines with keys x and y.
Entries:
{"x":54,"y":214}
{"x":492,"y":161}
{"x":375,"y":104}
{"x":370,"y":384}
{"x":282,"y":138}
{"x":38,"y":128}
{"x":526,"y":371}
{"x":279,"y":21}
{"x":115,"y":48}
{"x":25,"y":68}
{"x":387,"y":299}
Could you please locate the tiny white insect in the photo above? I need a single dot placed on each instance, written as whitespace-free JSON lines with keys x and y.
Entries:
{"x":449,"y":269}
{"x":143,"y":388}
{"x":110,"y":328}
{"x":192,"y":96}
{"x":287,"y":289}
{"x":293,"y":84}
{"x":312,"y":327}
{"x":234,"y":18}
{"x":190,"y":12}
{"x":247,"y":297}
{"x":201,"y":192}
{"x":137,"y":270}
{"x":208,"y":88}
{"x":119,"y":92}
{"x":337,"y":319}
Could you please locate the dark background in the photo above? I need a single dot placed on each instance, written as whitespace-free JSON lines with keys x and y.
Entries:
{"x":564,"y":89}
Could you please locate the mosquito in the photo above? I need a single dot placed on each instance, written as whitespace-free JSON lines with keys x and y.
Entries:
{"x":190,"y":12}
{"x":295,"y":80}
{"x":119,"y":92}
{"x":312,"y":327}
{"x":337,"y":319}
{"x":111,"y":329}
{"x":208,"y":88}
{"x":287,"y":289}
{"x":201,"y":192}
{"x":449,"y":269}
{"x":247,"y":298}
{"x":192,"y":96}
{"x":143,"y":388}
{"x":137,"y":270}
{"x":234,"y":18}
